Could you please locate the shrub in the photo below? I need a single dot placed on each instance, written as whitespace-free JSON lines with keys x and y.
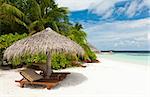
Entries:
{"x":1,"y":56}
{"x":89,"y":55}
{"x":8,"y":39}
{"x":63,"y":60}
{"x":59,"y":61}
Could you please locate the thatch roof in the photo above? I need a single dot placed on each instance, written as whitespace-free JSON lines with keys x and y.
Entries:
{"x":93,"y":48}
{"x":43,"y":42}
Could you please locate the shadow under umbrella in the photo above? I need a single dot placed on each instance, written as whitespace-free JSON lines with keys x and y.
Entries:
{"x":72,"y":79}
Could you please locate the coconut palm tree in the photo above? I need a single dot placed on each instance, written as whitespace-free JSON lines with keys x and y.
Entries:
{"x":10,"y":16}
{"x":32,"y":15}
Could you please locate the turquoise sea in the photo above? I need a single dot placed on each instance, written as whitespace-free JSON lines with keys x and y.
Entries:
{"x":138,"y":58}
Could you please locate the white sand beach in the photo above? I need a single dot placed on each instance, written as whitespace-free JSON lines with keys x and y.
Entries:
{"x":106,"y":79}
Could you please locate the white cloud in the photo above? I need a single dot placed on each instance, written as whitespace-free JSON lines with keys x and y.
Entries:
{"x":123,"y":26}
{"x":149,"y":36}
{"x":75,"y":5}
{"x":104,"y":8}
{"x":131,"y":10}
{"x":126,"y":34}
{"x":98,"y":5}
{"x":147,"y":2}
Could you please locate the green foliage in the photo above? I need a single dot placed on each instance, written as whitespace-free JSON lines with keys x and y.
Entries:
{"x":31,"y":16}
{"x":79,"y":36}
{"x":16,"y":61}
{"x":91,"y":55}
{"x":59,"y":61}
{"x":8,"y":39}
{"x":28,"y":59}
{"x":37,"y":58}
{"x":12,"y":18}
{"x":1,"y":56}
{"x":62,"y":60}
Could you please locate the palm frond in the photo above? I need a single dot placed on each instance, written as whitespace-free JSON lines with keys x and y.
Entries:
{"x":12,"y":10}
{"x":10,"y":19}
{"x":33,"y":10}
{"x":35,"y":26}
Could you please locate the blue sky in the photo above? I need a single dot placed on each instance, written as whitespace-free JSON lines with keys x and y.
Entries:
{"x":113,"y":24}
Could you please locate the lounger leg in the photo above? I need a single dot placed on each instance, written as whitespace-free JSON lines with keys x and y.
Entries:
{"x":49,"y":87}
{"x":21,"y":85}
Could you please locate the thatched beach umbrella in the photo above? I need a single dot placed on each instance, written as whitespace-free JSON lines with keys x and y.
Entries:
{"x":47,"y":42}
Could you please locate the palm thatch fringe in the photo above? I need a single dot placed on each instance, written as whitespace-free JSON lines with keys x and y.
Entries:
{"x":46,"y":42}
{"x":43,"y":42}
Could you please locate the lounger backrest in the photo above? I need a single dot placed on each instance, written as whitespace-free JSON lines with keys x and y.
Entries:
{"x":30,"y":75}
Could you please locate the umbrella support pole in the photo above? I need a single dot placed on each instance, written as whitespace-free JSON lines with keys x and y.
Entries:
{"x":48,"y":67}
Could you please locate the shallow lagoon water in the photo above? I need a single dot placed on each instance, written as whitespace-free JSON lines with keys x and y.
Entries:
{"x":137,"y":58}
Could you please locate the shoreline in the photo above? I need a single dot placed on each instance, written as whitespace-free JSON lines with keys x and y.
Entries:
{"x":123,"y":61}
{"x":117,"y":57}
{"x":106,"y":79}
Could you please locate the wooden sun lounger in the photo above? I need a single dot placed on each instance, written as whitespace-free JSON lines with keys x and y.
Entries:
{"x":48,"y":83}
{"x":54,"y":79}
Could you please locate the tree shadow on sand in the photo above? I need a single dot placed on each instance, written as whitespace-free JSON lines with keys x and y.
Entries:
{"x":5,"y":67}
